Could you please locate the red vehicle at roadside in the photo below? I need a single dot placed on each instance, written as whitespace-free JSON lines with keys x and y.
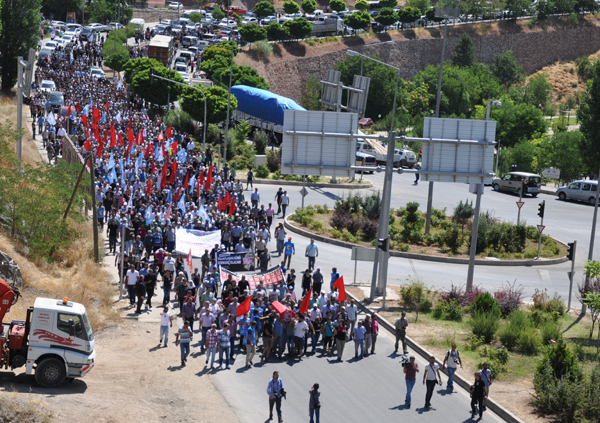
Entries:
{"x":237,"y":10}
{"x":365,"y":122}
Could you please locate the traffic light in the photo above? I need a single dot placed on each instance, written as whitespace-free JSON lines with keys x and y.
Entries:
{"x":383,"y":244}
{"x":151,"y":75}
{"x":571,"y":251}
{"x":541,"y":208}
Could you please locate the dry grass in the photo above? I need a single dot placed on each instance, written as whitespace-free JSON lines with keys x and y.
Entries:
{"x":15,"y":409}
{"x":8,"y":111}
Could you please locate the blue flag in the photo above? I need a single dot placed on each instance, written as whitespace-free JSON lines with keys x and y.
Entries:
{"x":191,"y":184}
{"x":181,"y":204}
{"x":148,"y":215}
{"x":122,"y":172}
{"x":138,"y":164}
{"x":203,"y":215}
{"x":170,"y":196}
{"x":112,"y":176}
{"x":182,"y":155}
{"x":111,"y":163}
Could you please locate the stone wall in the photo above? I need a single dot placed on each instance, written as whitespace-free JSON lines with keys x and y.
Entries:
{"x":533,"y":50}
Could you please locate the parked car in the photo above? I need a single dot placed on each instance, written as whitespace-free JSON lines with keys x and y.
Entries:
{"x":530,"y":183}
{"x":407,"y":157}
{"x":580,"y":191}
{"x":162,"y":29}
{"x":268,"y":19}
{"x":45,"y":52}
{"x":176,"y":29}
{"x":96,"y":27}
{"x":59,"y":25}
{"x":175,"y":5}
{"x":180,"y":67}
{"x":113,"y":25}
{"x":85,"y":34}
{"x":189,"y":41}
{"x":363,"y":159}
{"x":76,"y":28}
{"x":47,"y":85}
{"x":185,"y":77}
{"x":365,"y":122}
{"x":249,"y":20}
{"x":96,"y":72}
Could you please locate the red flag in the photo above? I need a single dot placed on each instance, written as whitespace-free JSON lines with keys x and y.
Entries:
{"x":69,"y":111}
{"x":222,"y":204}
{"x":227,"y":198}
{"x":187,"y":180}
{"x":306,"y":301}
{"x":163,"y":178}
{"x":149,"y":187}
{"x":120,"y":139}
{"x":130,"y":136}
{"x":100,"y":148}
{"x":232,"y":207}
{"x":96,"y":114}
{"x":244,"y":307}
{"x":209,"y":180}
{"x":140,"y":137}
{"x":113,"y":136}
{"x":174,"y":147}
{"x":106,"y":105}
{"x":339,"y":284}
{"x":189,"y":259}
{"x":178,"y":194}
{"x":88,"y":144}
{"x":153,"y":168}
{"x":84,"y":120}
{"x":160,"y":136}
{"x":164,"y":154}
{"x":201,"y":179}
{"x":78,"y":107}
{"x":148,"y":151}
{"x":169,"y":132}
{"x":173,"y":172}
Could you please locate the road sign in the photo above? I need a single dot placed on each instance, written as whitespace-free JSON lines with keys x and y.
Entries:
{"x":571,"y":275}
{"x":303,"y":192}
{"x":551,"y":173}
{"x":363,"y":254}
{"x":540,"y":228}
{"x":520,"y":204}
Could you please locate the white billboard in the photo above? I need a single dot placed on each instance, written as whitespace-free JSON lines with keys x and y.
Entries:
{"x":458,"y":150}
{"x":318,"y":143}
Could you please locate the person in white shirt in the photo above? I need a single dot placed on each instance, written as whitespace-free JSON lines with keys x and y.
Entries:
{"x":131,"y":276}
{"x":315,"y":312}
{"x":322,"y":301}
{"x":166,"y":322}
{"x":299,"y":333}
{"x":433,"y":377}
{"x":352,"y":311}
{"x":285,"y":202}
{"x":452,"y":360}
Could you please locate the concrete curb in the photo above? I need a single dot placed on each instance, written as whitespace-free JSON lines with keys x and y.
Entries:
{"x":312,"y":184}
{"x":416,"y":256}
{"x":502,"y":412}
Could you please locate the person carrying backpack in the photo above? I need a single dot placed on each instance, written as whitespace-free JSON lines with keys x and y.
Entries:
{"x":452,"y":359}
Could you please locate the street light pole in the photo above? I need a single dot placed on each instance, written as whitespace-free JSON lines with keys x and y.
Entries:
{"x":228,"y":95}
{"x":362,"y":51}
{"x":384,"y":214}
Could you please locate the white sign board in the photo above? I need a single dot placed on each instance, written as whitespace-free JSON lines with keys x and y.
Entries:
{"x":363,"y":254}
{"x":458,"y":150}
{"x":318,"y":143}
{"x":197,"y":241}
{"x":551,"y":173}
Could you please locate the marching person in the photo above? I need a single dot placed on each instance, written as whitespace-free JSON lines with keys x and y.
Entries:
{"x":314,"y":404}
{"x":410,"y":370}
{"x":275,"y":391}
{"x":433,"y":377}
{"x":478,"y":395}
{"x":401,"y":325}
{"x":452,"y":359}
{"x":183,"y":338}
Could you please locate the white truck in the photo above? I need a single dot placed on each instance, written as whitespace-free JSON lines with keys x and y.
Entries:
{"x":374,"y":148}
{"x":327,"y":26}
{"x":55,"y":342}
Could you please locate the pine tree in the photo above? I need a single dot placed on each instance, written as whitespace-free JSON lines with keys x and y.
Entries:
{"x":464,"y":53}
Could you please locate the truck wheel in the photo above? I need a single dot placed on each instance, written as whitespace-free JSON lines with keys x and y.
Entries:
{"x":50,"y":373}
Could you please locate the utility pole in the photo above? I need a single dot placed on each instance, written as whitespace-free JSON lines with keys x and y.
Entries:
{"x":19,"y":109}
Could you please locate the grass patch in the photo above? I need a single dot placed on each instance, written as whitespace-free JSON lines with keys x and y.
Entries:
{"x":15,"y":408}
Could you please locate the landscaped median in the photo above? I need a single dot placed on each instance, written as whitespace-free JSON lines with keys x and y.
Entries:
{"x":354,"y":221}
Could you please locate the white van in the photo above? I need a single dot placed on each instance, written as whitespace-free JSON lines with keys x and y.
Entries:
{"x":189,"y":41}
{"x":202,"y":45}
{"x":180,"y":67}
{"x":140,"y":24}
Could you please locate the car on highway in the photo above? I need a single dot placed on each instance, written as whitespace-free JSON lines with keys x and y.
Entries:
{"x":530,"y":183}
{"x":176,"y":29}
{"x":58,"y":25}
{"x":189,"y":41}
{"x":268,"y":19}
{"x":407,"y":157}
{"x":185,"y":77}
{"x":69,"y":38}
{"x":365,"y":122}
{"x":51,"y":45}
{"x":96,"y":27}
{"x":86,"y":33}
{"x":113,"y":25}
{"x":363,"y":159}
{"x":188,"y":55}
{"x":180,"y":67}
{"x":581,"y":190}
{"x":76,"y":28}
{"x":175,"y":5}
{"x":47,"y":85}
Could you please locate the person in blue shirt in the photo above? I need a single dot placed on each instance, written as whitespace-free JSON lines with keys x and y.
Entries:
{"x":250,"y":342}
{"x":359,"y":339}
{"x":101,"y":213}
{"x":288,"y":251}
{"x":276,"y":391}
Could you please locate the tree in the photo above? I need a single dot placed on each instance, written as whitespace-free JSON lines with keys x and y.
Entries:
{"x":517,"y":122}
{"x":216,"y":102}
{"x":20,"y":25}
{"x":337,"y":5}
{"x":241,"y":75}
{"x":298,"y":28}
{"x":158,"y":91}
{"x":386,"y":16}
{"x":195,"y":17}
{"x":517,"y":8}
{"x":430,"y":15}
{"x":408,"y":15}
{"x":310,"y":100}
{"x":252,"y":33}
{"x":422,"y":5}
{"x":538,"y":90}
{"x":217,"y":13}
{"x":290,"y":7}
{"x":100,"y":11}
{"x":358,"y":20}
{"x":585,"y":69}
{"x":592,"y":300}
{"x":464,"y":53}
{"x":564,"y":6}
{"x":264,"y":8}
{"x":276,"y":32}
{"x":506,"y":69}
{"x":116,"y":61}
{"x":361,"y":5}
{"x":309,"y":6}
{"x":387,"y":3}
{"x":589,"y":116}
{"x":544,"y":8}
{"x":134,"y":66}
{"x":564,"y":153}
{"x":59,"y":8}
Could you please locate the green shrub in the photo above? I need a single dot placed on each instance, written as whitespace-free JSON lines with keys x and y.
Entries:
{"x":336,"y":234}
{"x":262,"y":171}
{"x":516,"y":324}
{"x":451,"y":238}
{"x":562,"y":360}
{"x":551,"y":331}
{"x":416,"y":296}
{"x":260,"y":139}
{"x":485,"y":325}
{"x":263,"y":48}
{"x":317,"y":226}
{"x":241,"y":162}
{"x":497,"y":358}
{"x":530,"y":341}
{"x":485,"y":303}
{"x":180,"y":121}
{"x":542,"y":302}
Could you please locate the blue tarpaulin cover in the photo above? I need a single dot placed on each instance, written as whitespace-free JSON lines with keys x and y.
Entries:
{"x":263,"y":104}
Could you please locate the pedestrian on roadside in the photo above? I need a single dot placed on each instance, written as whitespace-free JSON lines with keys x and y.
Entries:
{"x":33,"y":129}
{"x":359,"y":339}
{"x":352,"y":311}
{"x":453,"y":360}
{"x":312,"y":252}
{"x":275,"y":391}
{"x":166,"y":322}
{"x":314,"y":404}
{"x":433,"y":377}
{"x":183,"y":338}
{"x":417,"y":174}
{"x":374,"y":333}
{"x":249,"y":179}
{"x":479,"y":394}
{"x":188,"y":310}
{"x":285,"y":202}
{"x":140,"y":292}
{"x":223,"y":344}
{"x":486,"y":374}
{"x":410,"y":370}
{"x":132,"y":276}
{"x":288,"y":250}
{"x":299,"y":333}
{"x":401,"y":324}
{"x":150,"y":282}
{"x":167,"y":283}
{"x":368,"y":325}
